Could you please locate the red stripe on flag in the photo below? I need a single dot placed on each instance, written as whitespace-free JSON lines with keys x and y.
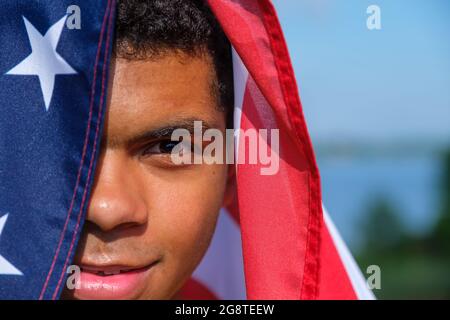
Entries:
{"x":273,"y":212}
{"x":335,"y":282}
{"x":195,"y":290}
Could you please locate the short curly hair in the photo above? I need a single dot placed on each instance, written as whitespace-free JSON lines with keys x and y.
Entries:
{"x":151,"y":28}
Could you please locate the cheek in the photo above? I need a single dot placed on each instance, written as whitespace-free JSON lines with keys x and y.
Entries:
{"x":184,"y":210}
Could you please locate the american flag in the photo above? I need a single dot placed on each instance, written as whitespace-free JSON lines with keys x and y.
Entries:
{"x":273,"y":240}
{"x":53,"y":83}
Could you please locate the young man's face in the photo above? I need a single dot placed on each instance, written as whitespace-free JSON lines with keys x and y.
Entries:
{"x":146,"y":214}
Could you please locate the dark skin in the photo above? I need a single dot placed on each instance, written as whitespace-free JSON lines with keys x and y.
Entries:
{"x":145,"y":210}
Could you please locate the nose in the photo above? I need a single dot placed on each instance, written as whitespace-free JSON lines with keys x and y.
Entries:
{"x":115,"y":201}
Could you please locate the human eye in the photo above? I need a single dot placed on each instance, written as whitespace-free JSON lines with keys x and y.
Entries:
{"x":162,"y":147}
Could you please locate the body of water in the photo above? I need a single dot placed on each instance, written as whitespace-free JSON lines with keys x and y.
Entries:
{"x":409,"y":184}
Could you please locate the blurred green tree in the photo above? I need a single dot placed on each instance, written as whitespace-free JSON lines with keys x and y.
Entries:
{"x":440,"y":237}
{"x":412,"y":267}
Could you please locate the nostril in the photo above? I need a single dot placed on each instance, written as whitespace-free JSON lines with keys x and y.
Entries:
{"x":128,"y":225}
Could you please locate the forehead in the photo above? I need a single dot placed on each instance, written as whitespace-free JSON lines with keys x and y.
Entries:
{"x":149,"y":93}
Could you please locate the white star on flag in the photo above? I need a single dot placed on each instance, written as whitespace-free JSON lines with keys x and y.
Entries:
{"x":5,"y":266}
{"x":44,"y":61}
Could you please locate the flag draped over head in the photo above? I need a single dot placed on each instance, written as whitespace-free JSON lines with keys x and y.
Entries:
{"x":272,"y":240}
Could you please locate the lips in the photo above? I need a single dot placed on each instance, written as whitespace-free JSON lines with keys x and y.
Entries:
{"x":108,"y":270}
{"x":112,"y":282}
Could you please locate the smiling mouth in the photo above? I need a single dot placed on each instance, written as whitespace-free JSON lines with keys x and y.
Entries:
{"x":106,"y":271}
{"x":113,"y":281}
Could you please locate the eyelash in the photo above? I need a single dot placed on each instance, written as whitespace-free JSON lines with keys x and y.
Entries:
{"x":163,"y":157}
{"x":147,"y":150}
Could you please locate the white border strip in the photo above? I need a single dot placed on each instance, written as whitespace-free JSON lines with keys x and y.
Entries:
{"x":240,"y":74}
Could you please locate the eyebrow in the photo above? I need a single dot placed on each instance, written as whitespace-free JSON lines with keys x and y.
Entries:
{"x":153,"y":134}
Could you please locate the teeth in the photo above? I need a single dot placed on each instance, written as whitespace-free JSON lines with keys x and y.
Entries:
{"x":106,"y":272}
{"x":110,"y":273}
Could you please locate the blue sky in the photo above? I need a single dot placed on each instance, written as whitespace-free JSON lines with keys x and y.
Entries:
{"x":381,"y":86}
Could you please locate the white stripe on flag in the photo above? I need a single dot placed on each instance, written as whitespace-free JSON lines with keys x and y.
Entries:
{"x":240,"y":74}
